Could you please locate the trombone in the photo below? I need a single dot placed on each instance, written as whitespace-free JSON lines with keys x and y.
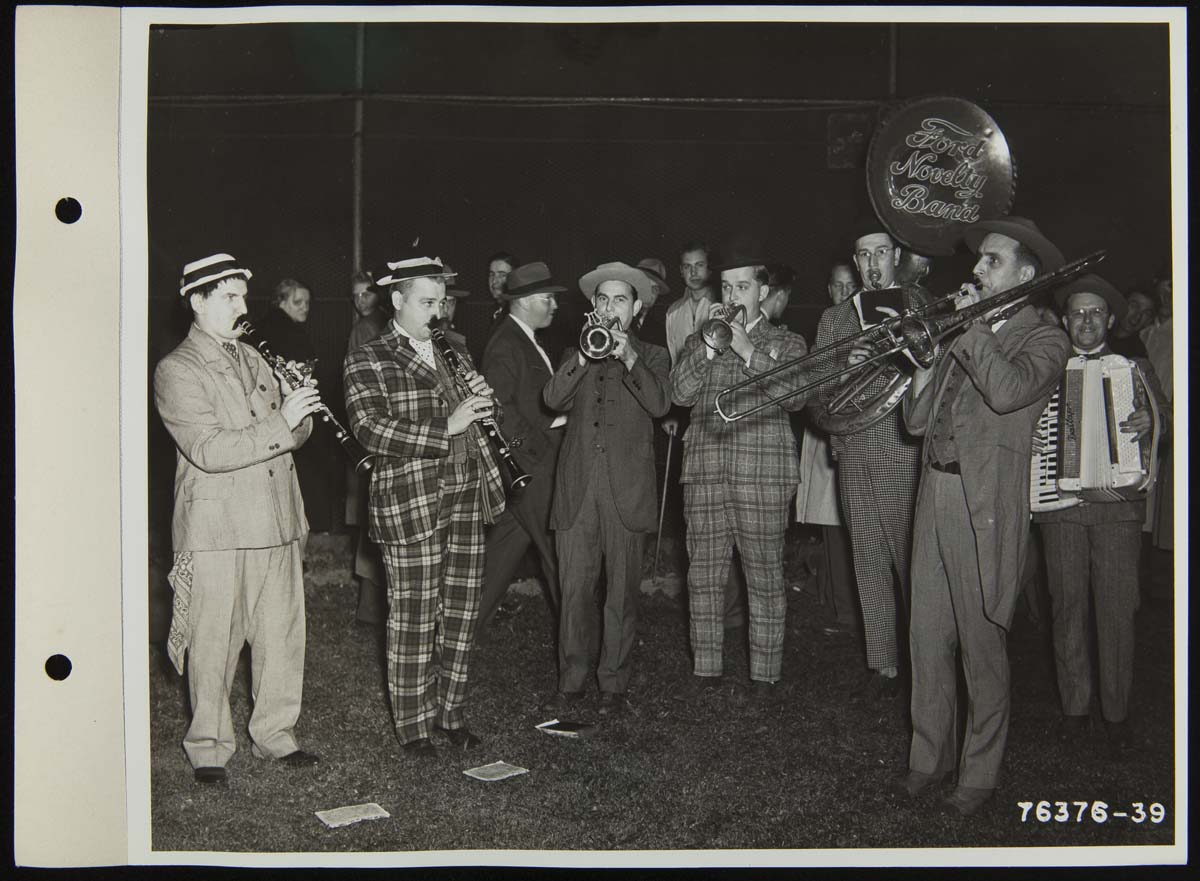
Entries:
{"x":918,"y":332}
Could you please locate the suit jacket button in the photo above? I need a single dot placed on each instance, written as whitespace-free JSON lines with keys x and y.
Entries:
{"x":252,"y":413}
{"x":261,"y":387}
{"x":272,"y":405}
{"x":271,"y":471}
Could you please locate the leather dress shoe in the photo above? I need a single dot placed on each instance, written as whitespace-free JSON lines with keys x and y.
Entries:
{"x":210,"y":775}
{"x":966,"y":800}
{"x":299,"y":759}
{"x":612,"y":703}
{"x":696,"y":687}
{"x":422,"y":747}
{"x":461,"y":737}
{"x":917,"y":783}
{"x":562,"y":702}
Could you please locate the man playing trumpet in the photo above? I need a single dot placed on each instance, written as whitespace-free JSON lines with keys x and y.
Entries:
{"x":738,"y":477}
{"x":604,"y":487}
{"x":434,"y":486}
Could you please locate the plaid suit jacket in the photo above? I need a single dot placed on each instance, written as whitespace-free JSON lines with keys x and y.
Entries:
{"x":398,"y":410}
{"x":758,"y":449}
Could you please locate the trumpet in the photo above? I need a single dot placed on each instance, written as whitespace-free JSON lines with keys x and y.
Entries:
{"x":878,"y":383}
{"x":517,"y":478}
{"x":297,"y":374}
{"x":717,"y":332}
{"x":596,"y":340}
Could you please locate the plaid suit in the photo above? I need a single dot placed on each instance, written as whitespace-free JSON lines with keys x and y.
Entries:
{"x":738,"y":480}
{"x":877,"y":471}
{"x":430,"y":496}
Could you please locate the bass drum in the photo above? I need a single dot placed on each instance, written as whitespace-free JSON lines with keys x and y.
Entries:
{"x":935,"y":166}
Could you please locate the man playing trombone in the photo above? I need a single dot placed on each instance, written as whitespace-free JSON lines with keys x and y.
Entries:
{"x":738,"y":476}
{"x":977,"y":408}
{"x":615,"y":386}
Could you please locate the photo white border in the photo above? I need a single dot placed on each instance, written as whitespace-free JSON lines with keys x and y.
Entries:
{"x":135,"y":27}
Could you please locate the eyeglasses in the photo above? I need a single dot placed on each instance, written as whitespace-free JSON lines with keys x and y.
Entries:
{"x":1099,"y":312}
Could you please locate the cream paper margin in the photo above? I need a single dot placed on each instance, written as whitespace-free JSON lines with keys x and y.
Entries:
{"x":69,"y":774}
{"x":70,"y":748}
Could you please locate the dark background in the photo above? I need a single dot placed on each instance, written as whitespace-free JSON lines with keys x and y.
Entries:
{"x":481,"y":137}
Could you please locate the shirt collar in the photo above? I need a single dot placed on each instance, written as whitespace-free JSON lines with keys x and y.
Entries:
{"x":529,"y":332}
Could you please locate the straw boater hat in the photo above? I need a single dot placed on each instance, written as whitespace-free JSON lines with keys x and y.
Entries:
{"x":528,"y":279}
{"x":201,"y":272}
{"x":1092,"y":284}
{"x":412,"y":263}
{"x":616,"y":271}
{"x":1022,"y":230}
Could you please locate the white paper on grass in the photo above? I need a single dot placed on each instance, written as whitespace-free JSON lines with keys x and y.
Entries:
{"x":495,"y":771}
{"x":344,"y":816}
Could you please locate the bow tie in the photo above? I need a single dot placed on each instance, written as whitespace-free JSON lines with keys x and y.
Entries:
{"x":1093,"y":356}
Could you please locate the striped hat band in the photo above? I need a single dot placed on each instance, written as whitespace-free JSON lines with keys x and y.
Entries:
{"x":208,"y":269}
{"x":414,"y":267}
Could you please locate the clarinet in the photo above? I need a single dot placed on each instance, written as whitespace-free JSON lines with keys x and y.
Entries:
{"x":517,"y":478}
{"x":297,"y":374}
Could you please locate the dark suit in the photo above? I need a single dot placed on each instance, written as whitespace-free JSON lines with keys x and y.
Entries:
{"x":517,"y":372}
{"x":971,"y":529}
{"x":604,"y":505}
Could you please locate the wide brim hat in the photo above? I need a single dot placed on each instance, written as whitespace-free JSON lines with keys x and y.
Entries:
{"x":616,"y":271}
{"x":742,"y":251}
{"x":1022,"y":230}
{"x":1092,"y":284}
{"x":208,"y":269}
{"x":412,"y":263}
{"x":656,"y":270}
{"x":528,"y":279}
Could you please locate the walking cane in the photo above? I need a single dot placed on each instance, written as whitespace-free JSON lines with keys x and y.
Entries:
{"x":662,"y":508}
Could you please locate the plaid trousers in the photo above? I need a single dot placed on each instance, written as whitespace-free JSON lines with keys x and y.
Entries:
{"x":754,"y":516}
{"x":433,"y":601}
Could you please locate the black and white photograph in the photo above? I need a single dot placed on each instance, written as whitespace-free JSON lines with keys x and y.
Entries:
{"x":694,"y":436}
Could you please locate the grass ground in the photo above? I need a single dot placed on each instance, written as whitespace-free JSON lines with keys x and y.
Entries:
{"x":809,"y":773}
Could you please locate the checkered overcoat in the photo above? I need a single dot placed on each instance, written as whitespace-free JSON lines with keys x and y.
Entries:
{"x":398,"y":412}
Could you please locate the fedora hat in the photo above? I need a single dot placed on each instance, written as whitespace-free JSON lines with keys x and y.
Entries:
{"x":868,"y":225}
{"x":1020,"y":229}
{"x":741,"y":251}
{"x":412,"y":263}
{"x":657,"y":272}
{"x":616,"y":271}
{"x":530,"y":278}
{"x":1092,"y":284}
{"x":454,"y":292}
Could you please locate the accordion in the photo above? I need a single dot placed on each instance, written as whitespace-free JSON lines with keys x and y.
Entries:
{"x":1084,"y":454}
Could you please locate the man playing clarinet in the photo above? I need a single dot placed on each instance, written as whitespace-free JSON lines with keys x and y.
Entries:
{"x":435,"y":485}
{"x":238,"y":526}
